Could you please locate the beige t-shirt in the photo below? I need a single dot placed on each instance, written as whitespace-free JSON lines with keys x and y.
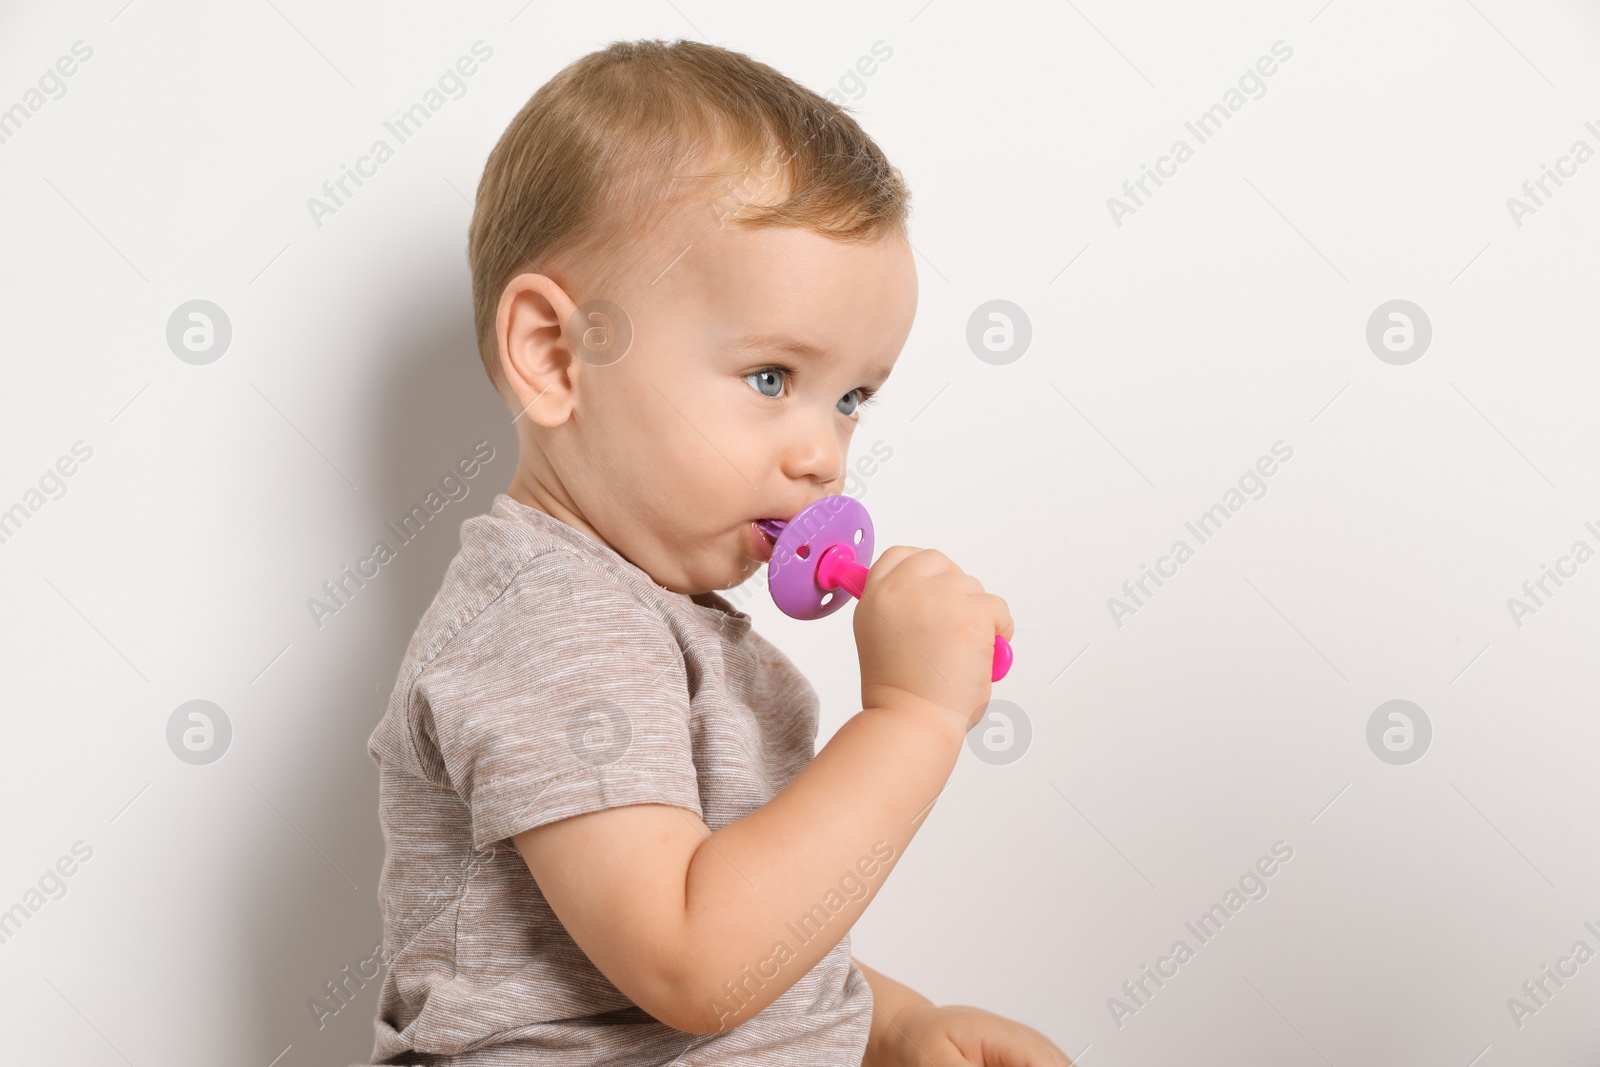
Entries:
{"x":552,"y":677}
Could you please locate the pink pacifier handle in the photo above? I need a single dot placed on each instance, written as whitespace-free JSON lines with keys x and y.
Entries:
{"x":837,"y":569}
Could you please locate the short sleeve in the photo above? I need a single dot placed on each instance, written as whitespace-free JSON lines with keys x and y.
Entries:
{"x":565,"y":695}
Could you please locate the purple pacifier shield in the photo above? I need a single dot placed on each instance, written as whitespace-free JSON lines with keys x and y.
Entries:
{"x":792,"y":571}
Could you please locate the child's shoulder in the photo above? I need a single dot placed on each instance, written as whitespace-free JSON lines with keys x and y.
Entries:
{"x":522,"y":604}
{"x":521,"y":568}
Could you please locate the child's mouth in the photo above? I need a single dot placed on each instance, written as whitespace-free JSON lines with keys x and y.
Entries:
{"x":765,"y":535}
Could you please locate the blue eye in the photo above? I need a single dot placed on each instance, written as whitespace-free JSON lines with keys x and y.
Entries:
{"x":850,"y":403}
{"x":767,"y":372}
{"x":866,"y":396}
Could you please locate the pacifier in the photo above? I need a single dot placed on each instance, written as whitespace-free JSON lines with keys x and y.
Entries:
{"x":816,"y":559}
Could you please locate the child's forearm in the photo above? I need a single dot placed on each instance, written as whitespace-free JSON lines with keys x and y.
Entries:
{"x":768,"y":895}
{"x":888,"y":998}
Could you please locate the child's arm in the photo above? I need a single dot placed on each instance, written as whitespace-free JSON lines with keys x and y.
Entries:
{"x":703,"y":930}
{"x":888,"y":997}
{"x":669,"y":911}
{"x":907,"y":1027}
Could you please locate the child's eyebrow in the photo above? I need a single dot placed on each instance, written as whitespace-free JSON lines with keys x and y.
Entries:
{"x":782,"y":342}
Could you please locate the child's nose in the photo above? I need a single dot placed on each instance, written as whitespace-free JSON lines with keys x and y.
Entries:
{"x":815,"y":452}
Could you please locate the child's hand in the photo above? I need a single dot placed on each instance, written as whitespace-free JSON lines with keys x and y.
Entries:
{"x":925,"y":633}
{"x":926,"y":1035}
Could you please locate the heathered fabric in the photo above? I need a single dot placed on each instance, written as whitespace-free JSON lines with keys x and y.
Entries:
{"x":552,"y":677}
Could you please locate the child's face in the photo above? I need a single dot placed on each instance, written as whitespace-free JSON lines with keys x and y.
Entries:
{"x":671,"y":453}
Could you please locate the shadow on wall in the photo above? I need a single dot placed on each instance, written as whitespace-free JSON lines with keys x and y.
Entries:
{"x":312,"y":934}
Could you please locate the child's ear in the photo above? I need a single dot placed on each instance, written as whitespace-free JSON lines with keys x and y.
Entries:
{"x":535,"y":356}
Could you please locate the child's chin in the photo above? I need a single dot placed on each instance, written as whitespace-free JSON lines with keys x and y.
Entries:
{"x":744,"y":571}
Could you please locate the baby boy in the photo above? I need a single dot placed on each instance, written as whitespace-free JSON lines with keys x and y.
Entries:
{"x":608,"y":837}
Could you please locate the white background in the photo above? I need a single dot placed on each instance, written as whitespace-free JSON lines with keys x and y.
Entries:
{"x":1168,"y":353}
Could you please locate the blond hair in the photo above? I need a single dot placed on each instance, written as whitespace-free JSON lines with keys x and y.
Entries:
{"x":599,"y":155}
